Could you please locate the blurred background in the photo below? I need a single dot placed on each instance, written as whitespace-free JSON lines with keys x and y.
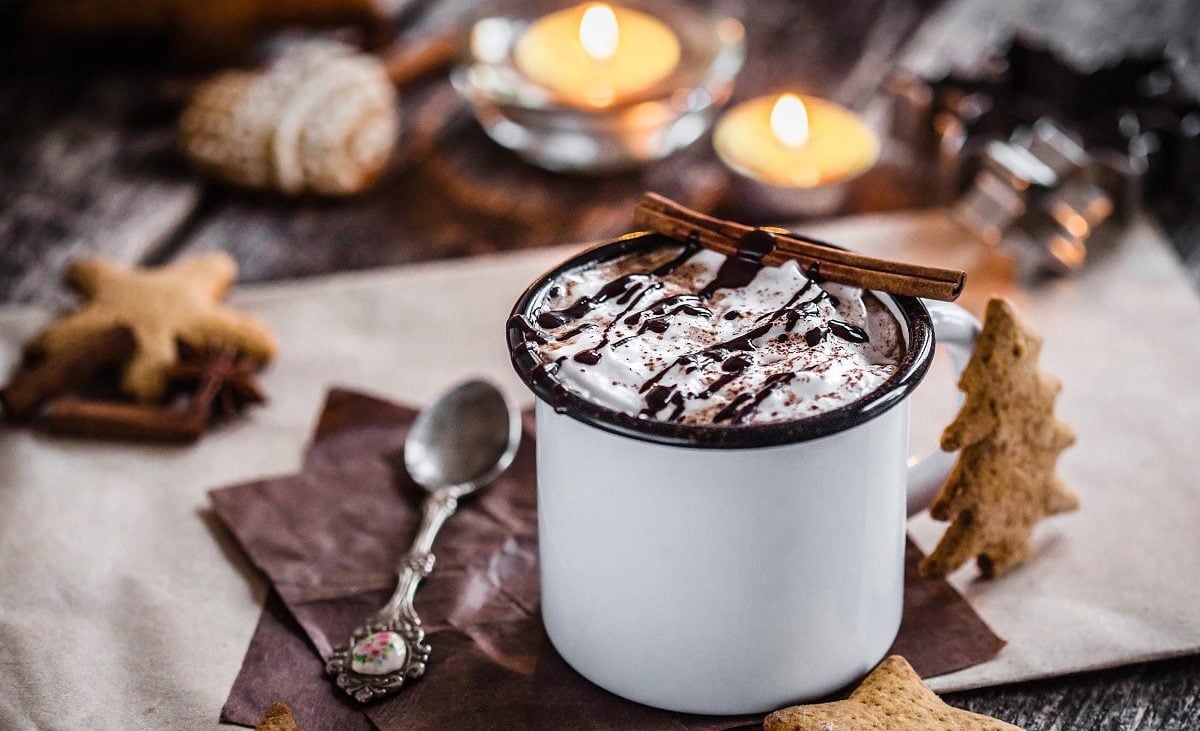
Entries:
{"x":1038,"y":124}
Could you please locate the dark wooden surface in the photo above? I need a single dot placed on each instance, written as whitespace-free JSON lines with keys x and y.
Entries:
{"x":88,"y":163}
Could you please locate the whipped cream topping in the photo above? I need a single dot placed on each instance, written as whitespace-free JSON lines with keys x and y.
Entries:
{"x":682,"y":334}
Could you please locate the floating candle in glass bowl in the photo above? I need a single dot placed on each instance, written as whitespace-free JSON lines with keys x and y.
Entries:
{"x":598,"y":86}
{"x":795,"y":154}
{"x":597,"y":55}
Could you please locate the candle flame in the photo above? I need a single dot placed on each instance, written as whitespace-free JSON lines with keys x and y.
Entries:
{"x":789,"y":120}
{"x":598,"y":31}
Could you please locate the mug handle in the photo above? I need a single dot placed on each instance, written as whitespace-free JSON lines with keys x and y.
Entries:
{"x":958,"y":330}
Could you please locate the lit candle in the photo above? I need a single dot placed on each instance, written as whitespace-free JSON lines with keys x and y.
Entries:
{"x":596,"y":55}
{"x":795,"y":142}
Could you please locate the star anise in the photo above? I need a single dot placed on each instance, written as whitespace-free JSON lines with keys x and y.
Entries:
{"x":220,"y":382}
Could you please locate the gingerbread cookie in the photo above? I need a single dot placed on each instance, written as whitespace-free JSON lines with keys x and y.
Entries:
{"x":891,"y":698}
{"x":277,"y":718}
{"x":161,"y":306}
{"x":1003,"y":482}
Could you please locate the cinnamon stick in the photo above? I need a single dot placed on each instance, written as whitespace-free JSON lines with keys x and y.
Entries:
{"x":818,"y":259}
{"x":72,"y":416}
{"x":65,"y":371}
{"x":222,"y":382}
{"x":410,"y":60}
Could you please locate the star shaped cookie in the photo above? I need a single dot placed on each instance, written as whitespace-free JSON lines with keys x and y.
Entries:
{"x":179,"y":302}
{"x":892,"y":697}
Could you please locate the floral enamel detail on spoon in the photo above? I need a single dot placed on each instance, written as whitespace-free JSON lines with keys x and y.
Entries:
{"x":379,"y":653}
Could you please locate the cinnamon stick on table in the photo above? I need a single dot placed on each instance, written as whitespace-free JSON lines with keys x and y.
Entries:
{"x":818,"y":259}
{"x":57,"y":374}
{"x":220,"y":381}
{"x":77,"y":417}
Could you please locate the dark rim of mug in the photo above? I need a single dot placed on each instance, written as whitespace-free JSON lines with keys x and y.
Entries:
{"x":912,"y":368}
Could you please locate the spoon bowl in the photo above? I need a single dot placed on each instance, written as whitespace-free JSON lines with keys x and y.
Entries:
{"x":463,"y":440}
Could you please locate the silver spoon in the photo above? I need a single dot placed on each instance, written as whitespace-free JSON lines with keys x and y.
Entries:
{"x":458,"y":444}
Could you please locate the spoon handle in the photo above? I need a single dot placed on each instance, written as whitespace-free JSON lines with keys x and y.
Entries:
{"x":418,"y":562}
{"x":390,"y":649}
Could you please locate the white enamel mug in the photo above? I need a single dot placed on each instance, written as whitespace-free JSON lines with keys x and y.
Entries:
{"x":734,"y":569}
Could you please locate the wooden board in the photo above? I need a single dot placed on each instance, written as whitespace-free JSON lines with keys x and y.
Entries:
{"x":87,"y":165}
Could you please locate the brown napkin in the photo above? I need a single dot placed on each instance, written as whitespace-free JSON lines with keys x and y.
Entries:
{"x":329,"y":539}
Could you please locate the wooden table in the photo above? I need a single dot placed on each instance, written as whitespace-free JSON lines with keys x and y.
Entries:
{"x":88,"y":164}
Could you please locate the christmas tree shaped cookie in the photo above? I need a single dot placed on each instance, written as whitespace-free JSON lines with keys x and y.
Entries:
{"x":1003,"y":482}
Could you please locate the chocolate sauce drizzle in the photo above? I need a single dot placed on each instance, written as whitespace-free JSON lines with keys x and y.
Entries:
{"x":689,"y":250}
{"x":743,"y":406}
{"x":592,"y":355}
{"x":620,"y":289}
{"x":623,"y":289}
{"x":733,"y":362}
{"x":529,"y":333}
{"x":657,"y":318}
{"x":741,"y":268}
{"x":736,"y":271}
{"x":849,"y":333}
{"x":575,"y":331}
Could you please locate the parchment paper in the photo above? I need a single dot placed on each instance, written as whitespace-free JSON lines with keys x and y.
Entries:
{"x":120,"y":608}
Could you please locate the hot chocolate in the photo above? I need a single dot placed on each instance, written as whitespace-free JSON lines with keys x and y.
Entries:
{"x":684,"y":334}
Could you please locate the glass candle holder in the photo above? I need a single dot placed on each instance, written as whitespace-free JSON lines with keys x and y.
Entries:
{"x":597,"y":87}
{"x":794,"y":155}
